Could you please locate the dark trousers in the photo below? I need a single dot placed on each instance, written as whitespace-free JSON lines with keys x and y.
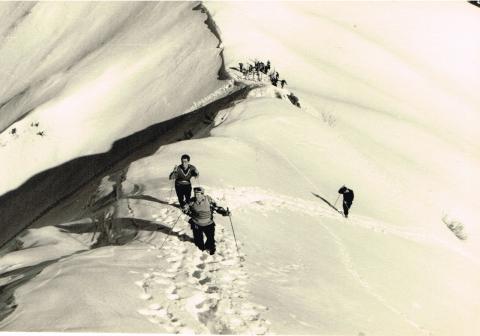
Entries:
{"x":346,"y":207}
{"x":208,"y":231}
{"x":184,"y":193}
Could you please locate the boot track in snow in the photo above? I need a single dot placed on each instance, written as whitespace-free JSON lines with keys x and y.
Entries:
{"x":199,"y":293}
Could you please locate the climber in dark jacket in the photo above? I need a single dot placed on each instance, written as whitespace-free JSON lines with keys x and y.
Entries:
{"x":347,"y":199}
{"x":182,"y":175}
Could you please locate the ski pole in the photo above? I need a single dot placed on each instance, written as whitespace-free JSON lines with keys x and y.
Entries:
{"x":168,"y":234}
{"x":335,"y":204}
{"x":231,"y":223}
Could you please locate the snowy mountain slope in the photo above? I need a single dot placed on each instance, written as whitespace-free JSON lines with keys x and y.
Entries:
{"x":304,"y":268}
{"x":120,"y":72}
{"x":309,"y":232}
{"x":132,"y":66}
{"x":401,"y":95}
{"x":27,"y":206}
{"x":126,"y":261}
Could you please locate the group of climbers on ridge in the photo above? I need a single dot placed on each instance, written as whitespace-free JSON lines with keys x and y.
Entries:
{"x":258,"y":68}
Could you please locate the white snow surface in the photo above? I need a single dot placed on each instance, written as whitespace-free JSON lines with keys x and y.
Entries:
{"x":388,"y":108}
{"x":96,"y":72}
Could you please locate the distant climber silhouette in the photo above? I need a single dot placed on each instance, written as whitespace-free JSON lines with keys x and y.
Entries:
{"x":347,"y":199}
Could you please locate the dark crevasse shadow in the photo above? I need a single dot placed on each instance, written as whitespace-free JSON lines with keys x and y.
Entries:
{"x":121,"y":226}
{"x":119,"y":231}
{"x":153,"y":199}
{"x":29,"y":204}
{"x":77,"y":227}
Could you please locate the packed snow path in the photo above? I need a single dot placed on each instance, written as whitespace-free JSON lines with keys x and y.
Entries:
{"x":196,"y":292}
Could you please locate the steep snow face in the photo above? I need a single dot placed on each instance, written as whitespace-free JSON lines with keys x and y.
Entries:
{"x":396,"y":82}
{"x":82,"y":75}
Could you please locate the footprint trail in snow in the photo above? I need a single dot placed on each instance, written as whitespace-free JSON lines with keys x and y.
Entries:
{"x":193,"y":292}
